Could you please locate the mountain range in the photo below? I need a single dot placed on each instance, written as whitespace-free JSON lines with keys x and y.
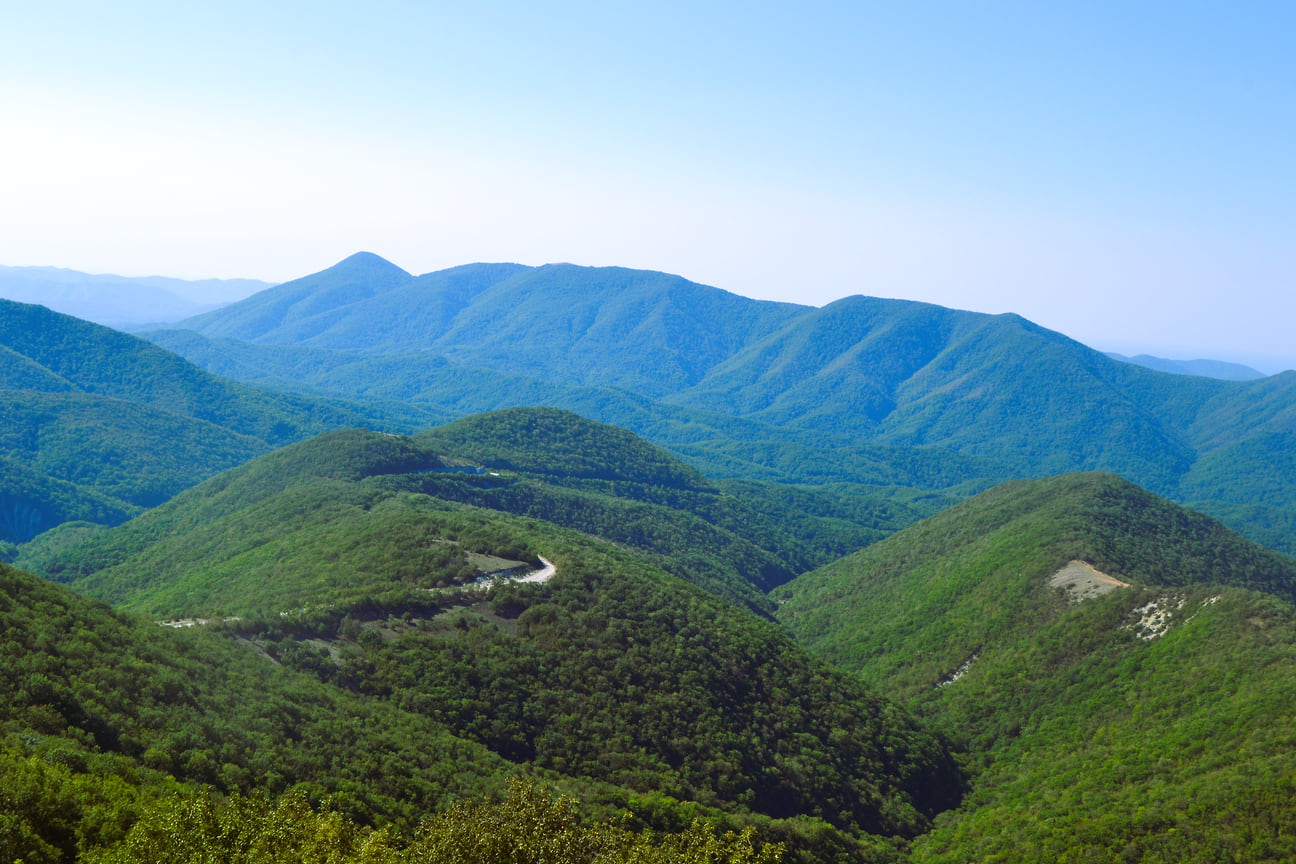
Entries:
{"x":99,"y":424}
{"x":120,"y":301}
{"x":879,"y":392}
{"x":1060,"y":666}
{"x":1202,"y":368}
{"x":828,"y":590}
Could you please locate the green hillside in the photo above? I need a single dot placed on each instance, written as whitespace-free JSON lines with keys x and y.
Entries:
{"x":87,"y":358}
{"x":668,"y":331}
{"x":1169,"y":749}
{"x":619,"y":487}
{"x":863,"y":390}
{"x":1112,"y":668}
{"x":128,"y":451}
{"x":100,"y":710}
{"x":1146,"y":723}
{"x":681,"y":525}
{"x":337,"y":561}
{"x":566,"y":448}
{"x":120,"y":740}
{"x":720,"y":445}
{"x":947,"y":585}
{"x":541,"y":463}
{"x":97,"y":424}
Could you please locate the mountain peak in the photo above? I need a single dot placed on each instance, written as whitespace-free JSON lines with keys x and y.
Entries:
{"x":368,"y":264}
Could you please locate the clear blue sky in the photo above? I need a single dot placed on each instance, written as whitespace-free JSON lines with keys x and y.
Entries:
{"x":1122,"y":172}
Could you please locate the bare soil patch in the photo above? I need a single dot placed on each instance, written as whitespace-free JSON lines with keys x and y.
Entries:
{"x":1083,"y":581}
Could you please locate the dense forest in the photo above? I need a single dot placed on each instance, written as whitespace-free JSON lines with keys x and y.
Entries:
{"x":298,"y":542}
{"x":863,"y":390}
{"x":813,"y":626}
{"x":1150,"y":723}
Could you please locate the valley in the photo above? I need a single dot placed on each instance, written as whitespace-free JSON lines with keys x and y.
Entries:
{"x":665,"y":571}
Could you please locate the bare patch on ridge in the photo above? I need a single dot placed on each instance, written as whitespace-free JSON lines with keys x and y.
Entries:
{"x":1083,"y":581}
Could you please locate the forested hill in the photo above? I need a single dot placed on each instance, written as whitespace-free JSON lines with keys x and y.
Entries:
{"x":564,"y":447}
{"x":97,"y":423}
{"x":902,"y":393}
{"x":122,"y":742}
{"x":541,"y":463}
{"x":48,"y":352}
{"x":1079,"y":667}
{"x":982,"y":567}
{"x":341,"y":556}
{"x":1102,"y":650}
{"x":644,"y":331}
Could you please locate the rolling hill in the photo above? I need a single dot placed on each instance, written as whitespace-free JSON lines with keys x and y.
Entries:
{"x":122,"y":741}
{"x":1115,"y":672}
{"x":883,"y":392}
{"x":1203,"y":368}
{"x":529,"y":592}
{"x":119,"y":301}
{"x":341,"y":556}
{"x":98,"y":424}
{"x":541,"y":463}
{"x":554,"y":322}
{"x":103,"y":713}
{"x":1107,"y":654}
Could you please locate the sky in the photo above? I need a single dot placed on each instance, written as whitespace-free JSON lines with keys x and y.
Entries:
{"x":1124,"y":173}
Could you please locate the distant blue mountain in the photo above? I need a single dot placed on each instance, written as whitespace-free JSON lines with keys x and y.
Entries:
{"x":1204,"y":368}
{"x":120,"y":301}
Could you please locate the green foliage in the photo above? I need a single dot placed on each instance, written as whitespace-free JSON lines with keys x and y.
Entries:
{"x":683,"y":543}
{"x":611,"y":673}
{"x":862,"y":390}
{"x":634,"y":680}
{"x":527,"y":827}
{"x":1249,"y":485}
{"x":910,"y":609}
{"x":60,"y":801}
{"x":204,"y":708}
{"x":613,"y":679}
{"x":326,"y":461}
{"x":194,"y":829}
{"x":833,"y":520}
{"x":274,"y":522}
{"x":1097,"y":738}
{"x":617,"y":486}
{"x":1177,"y":748}
{"x":103,"y":362}
{"x":95,"y":424}
{"x":125,"y":454}
{"x":564,"y":446}
{"x":32,"y":502}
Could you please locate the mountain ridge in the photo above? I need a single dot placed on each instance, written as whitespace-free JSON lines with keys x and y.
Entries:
{"x":1100,"y":651}
{"x":121,"y":301}
{"x":1202,"y":367}
{"x":991,"y":397}
{"x":114,"y":423}
{"x":336,"y":539}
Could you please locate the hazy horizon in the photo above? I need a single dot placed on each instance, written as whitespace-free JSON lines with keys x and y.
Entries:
{"x":222,"y":294}
{"x":1118,"y":174}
